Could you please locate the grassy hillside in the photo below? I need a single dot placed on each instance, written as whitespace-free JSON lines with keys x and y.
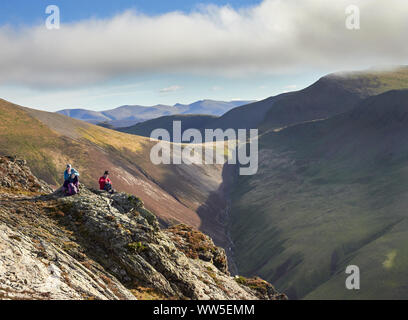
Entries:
{"x":23,"y":135}
{"x":48,"y":141}
{"x":329,"y":194}
{"x":369,"y":83}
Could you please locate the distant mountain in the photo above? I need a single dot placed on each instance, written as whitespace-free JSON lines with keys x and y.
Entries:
{"x":85,"y":115}
{"x":128,"y":115}
{"x":188,"y":121}
{"x":211,"y":107}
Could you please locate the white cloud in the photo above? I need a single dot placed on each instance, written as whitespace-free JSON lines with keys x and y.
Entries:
{"x":272,"y":37}
{"x":170,"y":89}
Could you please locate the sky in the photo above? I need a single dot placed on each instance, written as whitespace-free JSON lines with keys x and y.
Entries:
{"x":110,"y":53}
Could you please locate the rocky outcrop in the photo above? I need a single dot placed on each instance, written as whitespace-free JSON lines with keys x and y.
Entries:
{"x":100,"y":246}
{"x":196,"y":245}
{"x":15,"y":175}
{"x":33,"y":269}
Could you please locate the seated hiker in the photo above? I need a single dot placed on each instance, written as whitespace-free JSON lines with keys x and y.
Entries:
{"x":73,"y":185}
{"x":68,"y":177}
{"x":105,"y":183}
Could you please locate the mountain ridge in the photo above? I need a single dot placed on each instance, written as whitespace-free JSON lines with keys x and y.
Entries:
{"x":128,"y":115}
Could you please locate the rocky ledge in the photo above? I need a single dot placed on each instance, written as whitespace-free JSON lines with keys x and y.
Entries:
{"x":100,"y":246}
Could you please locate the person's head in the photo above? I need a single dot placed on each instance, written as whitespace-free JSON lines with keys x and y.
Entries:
{"x":69,"y":167}
{"x":106,"y":174}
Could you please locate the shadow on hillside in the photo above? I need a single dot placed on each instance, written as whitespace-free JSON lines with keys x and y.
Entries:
{"x":214,"y":215}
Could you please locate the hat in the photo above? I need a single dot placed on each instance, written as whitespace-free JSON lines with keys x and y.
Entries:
{"x":69,"y":166}
{"x":106,"y":172}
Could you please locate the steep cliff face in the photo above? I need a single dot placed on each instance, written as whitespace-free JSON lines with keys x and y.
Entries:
{"x":100,"y":246}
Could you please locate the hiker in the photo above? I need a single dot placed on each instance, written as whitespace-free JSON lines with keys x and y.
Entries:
{"x":105,"y":183}
{"x":73,"y":185}
{"x":70,"y":177}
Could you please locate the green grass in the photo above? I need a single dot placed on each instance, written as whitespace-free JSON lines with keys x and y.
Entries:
{"x":368,"y":83}
{"x":136,"y":247}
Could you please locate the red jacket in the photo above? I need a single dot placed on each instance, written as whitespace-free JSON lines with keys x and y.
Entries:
{"x":103,"y":181}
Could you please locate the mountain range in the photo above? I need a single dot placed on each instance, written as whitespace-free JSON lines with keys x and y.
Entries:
{"x":131,"y":114}
{"x":330,"y":191}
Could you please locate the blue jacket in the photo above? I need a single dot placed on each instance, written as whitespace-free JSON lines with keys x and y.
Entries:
{"x":67,"y":176}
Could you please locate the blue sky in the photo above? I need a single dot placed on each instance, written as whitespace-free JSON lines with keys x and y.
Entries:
{"x":111,"y":53}
{"x":29,"y":11}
